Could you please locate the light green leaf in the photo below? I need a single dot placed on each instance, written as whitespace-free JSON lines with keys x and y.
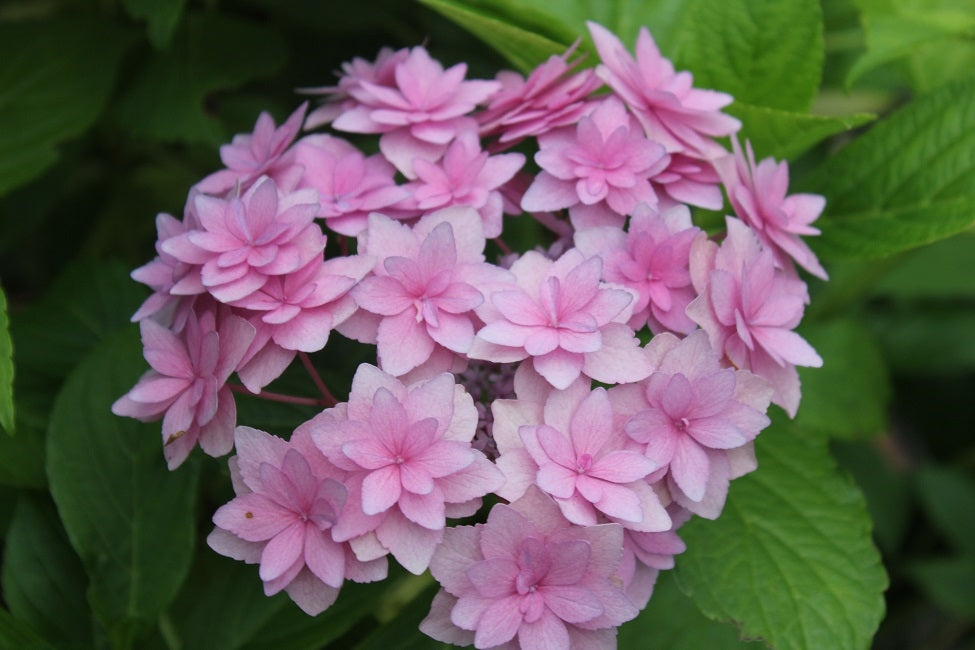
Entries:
{"x":43,"y":580}
{"x":849,"y":395}
{"x":790,"y":560}
{"x":16,"y":633}
{"x":673,"y":621}
{"x":949,"y":502}
{"x":949,"y":582}
{"x":908,"y":181}
{"x":785,"y":134}
{"x":940,"y":271}
{"x":161,"y":16}
{"x":129,"y":518}
{"x":209,"y":53}
{"x":764,"y":52}
{"x":55,"y":79}
{"x":6,"y":369}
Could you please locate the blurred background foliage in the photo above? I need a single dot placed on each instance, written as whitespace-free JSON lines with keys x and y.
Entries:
{"x":111,"y":109}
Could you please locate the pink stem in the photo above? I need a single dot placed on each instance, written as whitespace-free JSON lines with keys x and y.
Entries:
{"x":278,"y":397}
{"x":315,"y":377}
{"x":553,"y":223}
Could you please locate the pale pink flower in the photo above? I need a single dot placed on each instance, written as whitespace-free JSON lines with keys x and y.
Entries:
{"x":242,"y":241}
{"x":466,"y":176}
{"x":599,"y":169}
{"x":261,"y":153}
{"x":565,"y":320}
{"x":691,"y":180}
{"x":645,"y":555}
{"x":758,"y":195}
{"x":749,"y":308}
{"x":288,"y":501}
{"x":651,"y":259}
{"x":673,"y":112}
{"x":410,"y":464}
{"x":187,"y":383}
{"x":528,"y":575}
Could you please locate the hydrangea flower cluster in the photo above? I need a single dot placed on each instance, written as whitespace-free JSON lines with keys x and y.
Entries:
{"x":601,"y":388}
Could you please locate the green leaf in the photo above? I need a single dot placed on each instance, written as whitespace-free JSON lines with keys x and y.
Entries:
{"x":43,"y":580}
{"x":949,"y":582}
{"x":6,"y":369}
{"x":161,"y":16}
{"x":790,"y":560}
{"x":949,"y":502}
{"x":786,"y":134}
{"x":15,"y":633}
{"x":209,"y":53}
{"x":54,"y":82}
{"x":908,"y":181}
{"x":927,"y":339}
{"x":127,"y":516}
{"x":849,"y":395}
{"x":673,"y":621}
{"x":764,"y":52}
{"x":941,"y":271}
{"x":403,"y":631}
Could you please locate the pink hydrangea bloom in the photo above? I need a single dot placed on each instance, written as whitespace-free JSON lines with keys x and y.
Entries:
{"x":466,"y":176}
{"x":652,"y":259}
{"x":288,"y":501}
{"x":528,"y":575}
{"x":645,"y":555}
{"x":758,"y":195}
{"x":691,"y":412}
{"x":690,"y":180}
{"x":350,"y":185}
{"x":261,"y":153}
{"x":187,"y":383}
{"x":565,"y":320}
{"x":409,"y":463}
{"x":427,"y":282}
{"x":599,"y":169}
{"x":673,"y":112}
{"x":242,"y":241}
{"x":749,"y":308}
{"x":550,"y":97}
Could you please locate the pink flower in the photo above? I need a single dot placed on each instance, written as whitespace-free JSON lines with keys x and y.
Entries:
{"x":288,"y":501}
{"x":757,"y":193}
{"x":598,"y":170}
{"x":528,"y":574}
{"x":409,"y":461}
{"x":652,"y":260}
{"x":673,"y":112}
{"x":261,"y":153}
{"x":565,"y":320}
{"x":242,"y":241}
{"x":688,"y":179}
{"x":749,"y":309}
{"x":466,"y":176}
{"x":187,"y":383}
{"x":645,"y":555}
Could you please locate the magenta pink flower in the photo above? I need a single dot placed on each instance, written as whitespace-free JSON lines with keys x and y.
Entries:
{"x":409,"y":461}
{"x":288,"y":501}
{"x":749,"y":309}
{"x":187,"y":383}
{"x":242,"y":241}
{"x":528,"y":575}
{"x":758,"y":195}
{"x":673,"y":112}
{"x":599,"y":170}
{"x":652,"y":260}
{"x":565,"y":320}
{"x":261,"y":153}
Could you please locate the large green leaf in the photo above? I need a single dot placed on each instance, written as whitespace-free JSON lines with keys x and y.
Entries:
{"x":6,"y":369}
{"x":908,"y":181}
{"x":129,"y":518}
{"x":16,"y":633}
{"x":791,"y":559}
{"x":928,"y":338}
{"x":941,"y":271}
{"x":949,"y":501}
{"x":949,"y":582}
{"x":43,"y":580}
{"x":764,"y":52}
{"x":209,"y":53}
{"x":161,"y":16}
{"x":786,"y":134}
{"x":55,"y":79}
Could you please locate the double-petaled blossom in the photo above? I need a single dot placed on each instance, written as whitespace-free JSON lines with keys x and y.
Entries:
{"x":599,"y":169}
{"x":261,"y":153}
{"x":241,"y":241}
{"x":758,"y":194}
{"x":645,"y":555}
{"x":187,"y":383}
{"x":651,"y":259}
{"x":674,"y":113}
{"x":565,"y":320}
{"x":529,"y":579}
{"x":409,"y":463}
{"x":289,"y":499}
{"x":695,"y":419}
{"x":749,"y":309}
